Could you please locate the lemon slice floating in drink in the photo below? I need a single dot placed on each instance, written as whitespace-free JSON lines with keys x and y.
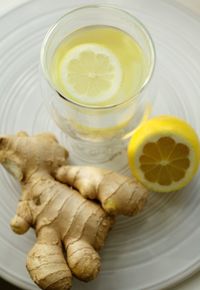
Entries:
{"x":91,"y":73}
{"x":164,"y":153}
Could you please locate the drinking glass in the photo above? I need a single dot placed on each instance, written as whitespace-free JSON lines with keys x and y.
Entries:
{"x":97,"y":134}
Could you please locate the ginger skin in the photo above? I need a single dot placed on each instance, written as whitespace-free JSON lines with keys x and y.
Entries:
{"x":59,"y":202}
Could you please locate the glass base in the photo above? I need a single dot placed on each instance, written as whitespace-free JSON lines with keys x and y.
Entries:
{"x":108,"y":154}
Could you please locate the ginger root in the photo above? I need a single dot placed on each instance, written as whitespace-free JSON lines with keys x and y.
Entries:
{"x":71,"y":208}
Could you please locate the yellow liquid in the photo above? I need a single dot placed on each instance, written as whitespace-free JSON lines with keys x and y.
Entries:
{"x":128,"y":52}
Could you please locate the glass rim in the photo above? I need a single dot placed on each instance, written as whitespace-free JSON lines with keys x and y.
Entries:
{"x":99,"y":107}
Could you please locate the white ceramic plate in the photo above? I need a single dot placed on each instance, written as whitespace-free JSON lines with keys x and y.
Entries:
{"x":161,"y":245}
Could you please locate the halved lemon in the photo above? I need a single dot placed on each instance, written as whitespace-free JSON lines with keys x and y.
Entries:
{"x":91,"y":73}
{"x":164,"y":153}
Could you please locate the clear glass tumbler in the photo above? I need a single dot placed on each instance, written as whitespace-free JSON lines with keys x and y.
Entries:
{"x":97,"y":134}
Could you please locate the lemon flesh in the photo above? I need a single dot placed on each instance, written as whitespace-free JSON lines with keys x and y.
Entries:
{"x":91,"y":73}
{"x":164,"y":153}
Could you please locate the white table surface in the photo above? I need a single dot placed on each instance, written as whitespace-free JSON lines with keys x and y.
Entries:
{"x":192,"y":283}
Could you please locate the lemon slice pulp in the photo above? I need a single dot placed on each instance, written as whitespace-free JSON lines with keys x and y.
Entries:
{"x":164,"y":153}
{"x":91,"y":73}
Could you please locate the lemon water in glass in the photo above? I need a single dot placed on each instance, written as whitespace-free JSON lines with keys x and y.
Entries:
{"x":97,"y":62}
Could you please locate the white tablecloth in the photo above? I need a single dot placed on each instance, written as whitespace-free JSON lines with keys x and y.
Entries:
{"x":192,"y":283}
